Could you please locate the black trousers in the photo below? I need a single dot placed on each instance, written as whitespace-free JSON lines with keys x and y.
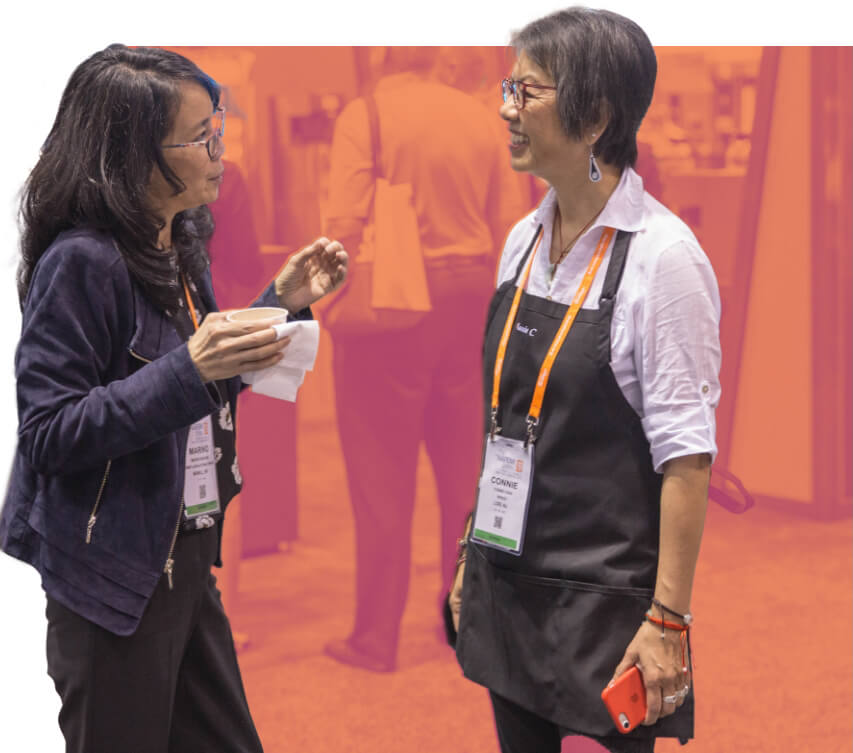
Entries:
{"x":174,"y":685}
{"x":521,"y":731}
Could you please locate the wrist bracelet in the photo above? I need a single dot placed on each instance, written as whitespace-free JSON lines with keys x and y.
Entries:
{"x":664,"y":624}
{"x":686,"y":618}
{"x":684,"y":634}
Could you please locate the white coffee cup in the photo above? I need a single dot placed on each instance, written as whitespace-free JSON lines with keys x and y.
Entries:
{"x":258,"y":314}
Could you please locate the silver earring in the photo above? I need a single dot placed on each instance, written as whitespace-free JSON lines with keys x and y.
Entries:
{"x":594,"y":172}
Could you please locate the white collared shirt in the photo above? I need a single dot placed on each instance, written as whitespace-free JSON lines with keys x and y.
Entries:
{"x":665,"y":339}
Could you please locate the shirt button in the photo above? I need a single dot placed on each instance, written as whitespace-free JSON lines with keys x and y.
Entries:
{"x":548,"y":297}
{"x":705,"y":389}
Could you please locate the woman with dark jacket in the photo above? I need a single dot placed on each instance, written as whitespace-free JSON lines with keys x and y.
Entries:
{"x":127,"y":381}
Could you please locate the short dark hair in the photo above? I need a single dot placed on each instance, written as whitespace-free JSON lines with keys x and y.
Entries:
{"x":96,"y":164}
{"x":602,"y":63}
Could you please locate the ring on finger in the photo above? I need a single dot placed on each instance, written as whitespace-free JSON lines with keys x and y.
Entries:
{"x":677,"y":695}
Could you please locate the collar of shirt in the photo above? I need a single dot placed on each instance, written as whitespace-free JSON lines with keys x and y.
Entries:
{"x":396,"y":81}
{"x":623,"y":211}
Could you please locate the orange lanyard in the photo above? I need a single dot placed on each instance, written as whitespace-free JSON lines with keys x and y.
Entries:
{"x":559,"y":338}
{"x":189,"y":302}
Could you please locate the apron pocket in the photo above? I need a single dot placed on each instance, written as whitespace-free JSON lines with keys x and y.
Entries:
{"x":550,"y":645}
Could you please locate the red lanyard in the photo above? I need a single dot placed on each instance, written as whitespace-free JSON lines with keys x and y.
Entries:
{"x":559,"y":338}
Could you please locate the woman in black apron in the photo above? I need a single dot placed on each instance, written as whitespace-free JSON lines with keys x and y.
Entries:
{"x":600,"y":362}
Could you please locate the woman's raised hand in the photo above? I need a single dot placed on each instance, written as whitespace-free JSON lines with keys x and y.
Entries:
{"x":221,"y":349}
{"x":311,"y":273}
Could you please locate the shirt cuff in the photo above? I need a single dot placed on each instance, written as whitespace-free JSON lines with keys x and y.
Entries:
{"x":691,"y":434}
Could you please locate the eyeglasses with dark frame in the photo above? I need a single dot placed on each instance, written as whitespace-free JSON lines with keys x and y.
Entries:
{"x":518,"y":89}
{"x":214,"y":145}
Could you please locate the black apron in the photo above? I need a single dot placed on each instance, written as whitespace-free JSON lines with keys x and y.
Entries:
{"x":546,"y":629}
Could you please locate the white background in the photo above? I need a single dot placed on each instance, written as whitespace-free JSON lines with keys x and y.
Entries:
{"x":42,"y":46}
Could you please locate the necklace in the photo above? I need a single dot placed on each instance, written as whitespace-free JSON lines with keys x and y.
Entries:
{"x":568,"y":246}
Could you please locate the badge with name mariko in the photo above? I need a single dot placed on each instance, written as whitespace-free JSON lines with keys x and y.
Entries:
{"x":503,"y":494}
{"x":201,"y":490}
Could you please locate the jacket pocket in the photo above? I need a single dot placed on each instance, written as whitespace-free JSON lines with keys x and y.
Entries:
{"x":93,"y":516}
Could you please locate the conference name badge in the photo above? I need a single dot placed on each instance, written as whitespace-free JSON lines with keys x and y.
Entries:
{"x":503,"y":494}
{"x":201,"y":490}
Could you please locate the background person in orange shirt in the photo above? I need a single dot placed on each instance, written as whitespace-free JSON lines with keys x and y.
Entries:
{"x":395,"y":389}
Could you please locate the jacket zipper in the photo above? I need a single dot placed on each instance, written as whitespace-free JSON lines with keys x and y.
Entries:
{"x":136,"y":355}
{"x":169,"y":567}
{"x":93,"y":516}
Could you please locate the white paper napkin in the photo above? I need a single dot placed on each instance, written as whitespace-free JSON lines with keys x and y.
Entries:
{"x":283,"y":380}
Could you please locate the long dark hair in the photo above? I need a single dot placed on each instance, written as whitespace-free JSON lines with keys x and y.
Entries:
{"x":96,"y":164}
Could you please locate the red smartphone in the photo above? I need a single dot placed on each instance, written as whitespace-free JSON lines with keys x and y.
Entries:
{"x":625,"y":699}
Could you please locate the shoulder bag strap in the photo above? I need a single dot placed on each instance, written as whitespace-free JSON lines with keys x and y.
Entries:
{"x":375,"y":142}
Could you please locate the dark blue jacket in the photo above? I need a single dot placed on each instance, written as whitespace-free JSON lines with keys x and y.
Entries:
{"x":106,"y":394}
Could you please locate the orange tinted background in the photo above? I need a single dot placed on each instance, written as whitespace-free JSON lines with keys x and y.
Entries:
{"x":751,"y":147}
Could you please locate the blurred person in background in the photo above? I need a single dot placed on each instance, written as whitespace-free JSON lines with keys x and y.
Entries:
{"x":601,"y":373}
{"x":395,"y":389}
{"x":125,"y":371}
{"x":468,"y":69}
{"x":236,"y":272}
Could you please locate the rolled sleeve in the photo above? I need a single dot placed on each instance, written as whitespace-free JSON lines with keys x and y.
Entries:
{"x":679,"y":363}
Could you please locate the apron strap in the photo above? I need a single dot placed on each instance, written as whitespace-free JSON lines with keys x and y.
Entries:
{"x":616,"y":266}
{"x":520,"y":268}
{"x":375,"y":141}
{"x":611,"y":284}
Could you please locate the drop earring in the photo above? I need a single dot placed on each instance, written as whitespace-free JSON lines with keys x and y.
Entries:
{"x":594,"y":172}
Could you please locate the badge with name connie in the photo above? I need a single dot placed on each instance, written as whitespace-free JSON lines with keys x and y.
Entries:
{"x":503,"y":495}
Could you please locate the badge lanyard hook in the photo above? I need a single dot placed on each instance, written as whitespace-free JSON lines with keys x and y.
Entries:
{"x":493,"y":427}
{"x":532,"y":421}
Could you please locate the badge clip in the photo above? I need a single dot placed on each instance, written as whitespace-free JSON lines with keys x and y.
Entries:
{"x":494,"y":428}
{"x":531,"y":425}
